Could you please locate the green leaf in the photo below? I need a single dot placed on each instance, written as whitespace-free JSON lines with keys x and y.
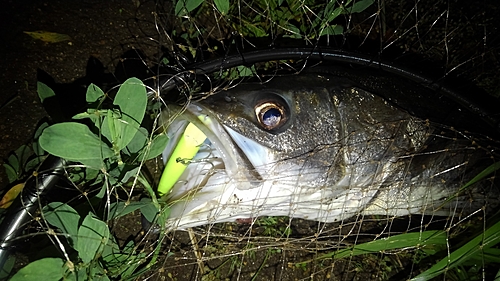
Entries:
{"x":489,"y":255}
{"x":183,"y":7}
{"x":33,"y":163}
{"x":150,"y":211}
{"x":111,"y":127}
{"x":360,"y":6}
{"x":162,"y":217}
{"x":74,"y":141}
{"x":44,"y":91}
{"x":334,"y":14}
{"x":23,"y":154}
{"x":222,"y":6}
{"x":245,"y":71}
{"x":79,"y":274}
{"x":36,"y":146}
{"x":332,"y":30}
{"x":474,"y":249}
{"x":95,"y":164}
{"x":109,"y":251}
{"x":122,"y":263}
{"x":38,"y":149}
{"x":98,"y":273}
{"x":14,"y":163}
{"x":131,"y":171}
{"x":294,"y":32}
{"x":490,"y":169}
{"x":40,"y":129}
{"x":7,"y":267}
{"x":254,"y":30}
{"x":83,"y":115}
{"x":428,"y":241}
{"x":102,"y":192}
{"x":63,"y":217}
{"x":119,"y":209}
{"x":91,"y":235}
{"x":91,"y":174}
{"x":132,"y":100}
{"x":139,"y":141}
{"x":121,"y":172}
{"x":47,"y":269}
{"x":11,"y":173}
{"x":136,"y":261}
{"x":93,"y":93}
{"x":155,"y":149}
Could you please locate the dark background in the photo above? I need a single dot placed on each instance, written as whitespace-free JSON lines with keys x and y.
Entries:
{"x":102,"y":29}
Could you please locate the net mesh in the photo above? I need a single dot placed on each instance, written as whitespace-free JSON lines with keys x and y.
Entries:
{"x":171,"y":41}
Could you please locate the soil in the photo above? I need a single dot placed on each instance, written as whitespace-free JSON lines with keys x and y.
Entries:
{"x":101,"y":29}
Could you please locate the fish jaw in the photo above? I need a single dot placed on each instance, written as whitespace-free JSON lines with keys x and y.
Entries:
{"x":232,"y":204}
{"x":223,"y":199}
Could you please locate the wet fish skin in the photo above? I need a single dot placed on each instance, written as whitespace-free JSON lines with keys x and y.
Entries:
{"x":340,"y":151}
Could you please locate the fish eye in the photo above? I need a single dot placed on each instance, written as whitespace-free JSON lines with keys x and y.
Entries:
{"x":271,"y":115}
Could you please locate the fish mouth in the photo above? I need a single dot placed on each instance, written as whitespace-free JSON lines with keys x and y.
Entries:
{"x":219,"y":181}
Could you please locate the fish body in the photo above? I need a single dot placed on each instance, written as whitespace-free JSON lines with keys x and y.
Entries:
{"x":317,"y":146}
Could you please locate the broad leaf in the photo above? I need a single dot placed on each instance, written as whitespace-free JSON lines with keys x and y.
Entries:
{"x":44,"y":91}
{"x":222,"y":6}
{"x":119,"y":209}
{"x":11,"y":173}
{"x":132,"y":100}
{"x":63,"y":217}
{"x":360,"y":6}
{"x":93,"y":93}
{"x":155,"y":148}
{"x":91,"y":235}
{"x":332,"y":30}
{"x":47,"y":269}
{"x":139,"y":141}
{"x":185,"y":6}
{"x":74,"y":141}
{"x":150,"y":211}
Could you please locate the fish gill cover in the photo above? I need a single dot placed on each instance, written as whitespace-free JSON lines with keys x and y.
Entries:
{"x":302,"y":140}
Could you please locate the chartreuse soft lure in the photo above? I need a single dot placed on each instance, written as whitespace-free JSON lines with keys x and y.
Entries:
{"x":186,"y":148}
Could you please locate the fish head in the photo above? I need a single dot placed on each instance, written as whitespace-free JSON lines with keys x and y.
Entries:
{"x":267,"y":145}
{"x":311,"y":146}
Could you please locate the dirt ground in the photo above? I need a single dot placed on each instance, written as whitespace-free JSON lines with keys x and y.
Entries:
{"x":102,"y":29}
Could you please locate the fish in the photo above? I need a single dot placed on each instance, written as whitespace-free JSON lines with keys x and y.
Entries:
{"x":322,"y":147}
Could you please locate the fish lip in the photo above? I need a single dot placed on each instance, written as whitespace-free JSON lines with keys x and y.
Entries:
{"x":220,"y":141}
